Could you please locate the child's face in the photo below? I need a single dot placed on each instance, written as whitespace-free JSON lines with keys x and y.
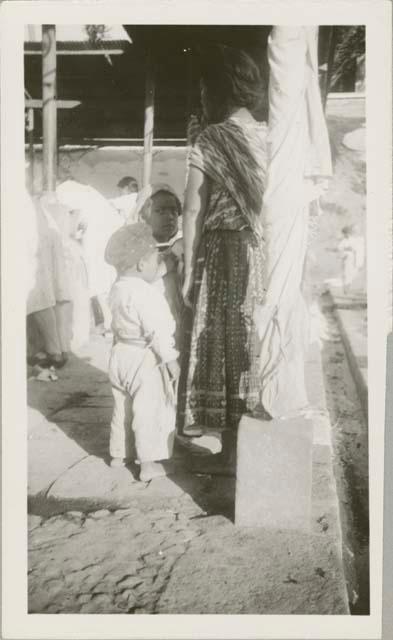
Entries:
{"x":164,"y":216}
{"x":148,"y":266}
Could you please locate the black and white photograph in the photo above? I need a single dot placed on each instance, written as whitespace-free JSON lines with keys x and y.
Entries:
{"x":198,"y":365}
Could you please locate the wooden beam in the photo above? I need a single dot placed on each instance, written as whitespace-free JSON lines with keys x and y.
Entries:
{"x":190,"y":80}
{"x":149,"y":120}
{"x":49,"y":111}
{"x":81,"y":52}
{"x":32,"y":103}
{"x":30,"y":137}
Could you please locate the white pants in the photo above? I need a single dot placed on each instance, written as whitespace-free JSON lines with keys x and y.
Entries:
{"x":143,"y":420}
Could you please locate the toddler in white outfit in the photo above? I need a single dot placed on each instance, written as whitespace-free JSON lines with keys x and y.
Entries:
{"x":143,"y":364}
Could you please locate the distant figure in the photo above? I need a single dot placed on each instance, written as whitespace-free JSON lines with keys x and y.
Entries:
{"x":351,"y":249}
{"x":49,"y":278}
{"x":127,"y":185}
{"x":143,"y":363}
{"x":126,"y":201}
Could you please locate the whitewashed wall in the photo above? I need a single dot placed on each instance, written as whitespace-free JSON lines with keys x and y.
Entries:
{"x":102,"y":168}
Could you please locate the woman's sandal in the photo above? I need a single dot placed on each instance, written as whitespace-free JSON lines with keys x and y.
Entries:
{"x":213,"y":465}
{"x":199,"y":445}
{"x":57,"y":361}
{"x":151,"y":470}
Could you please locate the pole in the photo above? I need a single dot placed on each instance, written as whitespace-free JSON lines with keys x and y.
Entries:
{"x":149,"y":120}
{"x":49,"y":114}
{"x":30,"y":137}
{"x":189,"y":83}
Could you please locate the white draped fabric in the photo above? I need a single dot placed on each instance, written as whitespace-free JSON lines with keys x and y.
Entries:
{"x":298,"y":165}
{"x":101,"y":222}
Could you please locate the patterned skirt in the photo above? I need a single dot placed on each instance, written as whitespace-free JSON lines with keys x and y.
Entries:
{"x":220,"y":381}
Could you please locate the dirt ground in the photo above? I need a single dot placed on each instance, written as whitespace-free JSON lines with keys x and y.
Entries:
{"x":345,"y":204}
{"x":350,"y":443}
{"x":171,"y":545}
{"x":345,"y":201}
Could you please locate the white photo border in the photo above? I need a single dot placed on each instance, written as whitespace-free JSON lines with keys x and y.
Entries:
{"x":376,"y":15}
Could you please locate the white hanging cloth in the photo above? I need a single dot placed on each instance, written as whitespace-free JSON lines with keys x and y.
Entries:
{"x":299,"y":164}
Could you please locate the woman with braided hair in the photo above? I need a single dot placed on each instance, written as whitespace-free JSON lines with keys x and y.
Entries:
{"x":245,"y":226}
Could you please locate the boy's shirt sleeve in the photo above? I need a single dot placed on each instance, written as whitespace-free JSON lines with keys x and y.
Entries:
{"x":157,"y":324}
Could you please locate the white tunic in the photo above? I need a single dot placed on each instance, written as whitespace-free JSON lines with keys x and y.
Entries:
{"x":140,"y":312}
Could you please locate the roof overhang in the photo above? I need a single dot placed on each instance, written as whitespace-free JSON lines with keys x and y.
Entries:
{"x":78,"y":49}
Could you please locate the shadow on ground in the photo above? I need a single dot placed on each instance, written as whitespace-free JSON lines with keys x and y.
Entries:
{"x":68,"y":449}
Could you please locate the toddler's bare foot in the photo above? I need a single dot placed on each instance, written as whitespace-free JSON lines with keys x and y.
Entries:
{"x":116,"y":463}
{"x":151,"y":470}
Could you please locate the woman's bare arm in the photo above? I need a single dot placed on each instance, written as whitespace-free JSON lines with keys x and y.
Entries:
{"x":195,"y":204}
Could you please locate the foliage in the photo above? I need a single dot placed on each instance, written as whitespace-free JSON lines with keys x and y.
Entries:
{"x":350,"y":44}
{"x":95,"y":32}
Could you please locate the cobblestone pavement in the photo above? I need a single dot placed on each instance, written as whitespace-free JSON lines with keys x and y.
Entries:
{"x":108,"y":561}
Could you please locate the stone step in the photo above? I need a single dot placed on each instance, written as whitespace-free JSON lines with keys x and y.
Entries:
{"x":274,"y":473}
{"x":268,"y":570}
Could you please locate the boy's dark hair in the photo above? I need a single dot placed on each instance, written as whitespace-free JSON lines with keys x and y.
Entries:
{"x":128,"y":181}
{"x":173,"y":195}
{"x":231,"y":78}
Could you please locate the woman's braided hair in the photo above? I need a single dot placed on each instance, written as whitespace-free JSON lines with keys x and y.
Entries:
{"x":230,"y":78}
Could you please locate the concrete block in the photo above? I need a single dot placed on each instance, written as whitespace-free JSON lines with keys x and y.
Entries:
{"x":274,"y":473}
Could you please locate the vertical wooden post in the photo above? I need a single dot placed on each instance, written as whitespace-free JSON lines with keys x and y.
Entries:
{"x":30,"y":138}
{"x":49,"y":114}
{"x":189,"y":83}
{"x":149,"y":120}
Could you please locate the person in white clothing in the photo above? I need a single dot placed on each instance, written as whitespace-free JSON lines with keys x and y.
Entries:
{"x":126,"y":201}
{"x":351,"y":249}
{"x":49,"y":296}
{"x":99,"y":221}
{"x":143,"y":365}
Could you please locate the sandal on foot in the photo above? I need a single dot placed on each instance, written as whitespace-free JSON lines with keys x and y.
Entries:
{"x":116,"y":463}
{"x":214,"y":465}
